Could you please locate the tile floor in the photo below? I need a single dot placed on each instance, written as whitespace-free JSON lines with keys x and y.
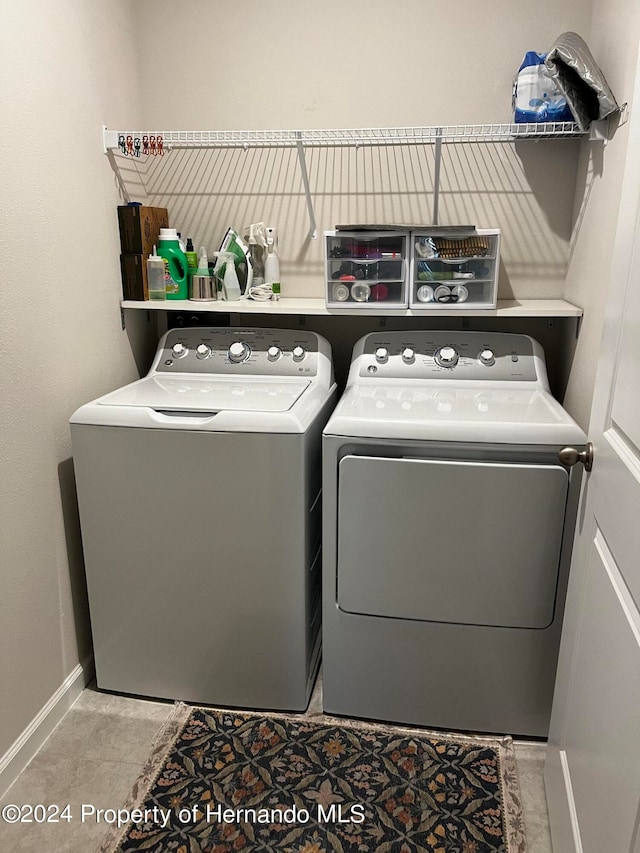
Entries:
{"x":96,"y":753}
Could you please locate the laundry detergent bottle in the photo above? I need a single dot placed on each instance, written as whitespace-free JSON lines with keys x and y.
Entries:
{"x":175,"y":264}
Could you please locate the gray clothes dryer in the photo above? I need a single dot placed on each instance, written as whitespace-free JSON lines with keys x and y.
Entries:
{"x":448,"y":524}
{"x":199,"y":494}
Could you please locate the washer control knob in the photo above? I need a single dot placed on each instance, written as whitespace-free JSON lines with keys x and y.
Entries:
{"x":274,"y":353}
{"x":179,"y":350}
{"x":203,"y":351}
{"x":408,"y":355}
{"x":446,"y":357}
{"x":298,"y":353}
{"x":382,"y":355}
{"x":487,"y":356}
{"x":239,"y":351}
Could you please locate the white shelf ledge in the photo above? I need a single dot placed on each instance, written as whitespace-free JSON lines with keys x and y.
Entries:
{"x":316,"y":306}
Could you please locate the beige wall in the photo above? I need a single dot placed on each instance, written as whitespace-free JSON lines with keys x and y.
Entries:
{"x":340,"y":63}
{"x":362,"y":63}
{"x":614,"y":41}
{"x":67,"y":67}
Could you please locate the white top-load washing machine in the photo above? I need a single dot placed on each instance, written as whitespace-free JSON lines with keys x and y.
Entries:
{"x":199,"y":495}
{"x":448,"y":524}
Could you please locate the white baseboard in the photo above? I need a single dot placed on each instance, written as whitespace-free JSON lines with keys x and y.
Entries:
{"x":27,"y":745}
{"x":575,"y":827}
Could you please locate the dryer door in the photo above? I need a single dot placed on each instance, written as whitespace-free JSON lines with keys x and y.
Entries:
{"x":474,"y":543}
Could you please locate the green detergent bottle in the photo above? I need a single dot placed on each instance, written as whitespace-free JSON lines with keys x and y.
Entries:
{"x":175,"y":264}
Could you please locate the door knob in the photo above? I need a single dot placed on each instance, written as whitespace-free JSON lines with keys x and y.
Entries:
{"x":570,"y":456}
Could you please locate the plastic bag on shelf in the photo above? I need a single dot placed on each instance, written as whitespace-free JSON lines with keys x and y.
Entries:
{"x":536,"y":95}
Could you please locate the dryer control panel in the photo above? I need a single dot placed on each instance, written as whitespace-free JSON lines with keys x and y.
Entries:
{"x":242,"y":352}
{"x":465,"y":356}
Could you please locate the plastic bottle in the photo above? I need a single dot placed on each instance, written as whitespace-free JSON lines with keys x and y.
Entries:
{"x":155,"y":277}
{"x":175,"y":264}
{"x":192,"y":264}
{"x":202,"y":285}
{"x":272,"y":263}
{"x":230,"y":283}
{"x":192,"y":255}
{"x":202,"y":263}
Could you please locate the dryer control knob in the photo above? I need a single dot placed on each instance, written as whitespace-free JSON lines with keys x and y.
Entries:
{"x":298,"y":353}
{"x":382,"y":355}
{"x":239,"y":351}
{"x":446,"y":357}
{"x":274,"y":353}
{"x":179,"y":350}
{"x":203,"y":351}
{"x":487,"y":356}
{"x":408,"y":355}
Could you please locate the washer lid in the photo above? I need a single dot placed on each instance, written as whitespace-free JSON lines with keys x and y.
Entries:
{"x":187,"y":393}
{"x":453,"y":412}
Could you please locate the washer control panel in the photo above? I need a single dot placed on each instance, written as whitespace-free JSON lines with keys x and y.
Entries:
{"x":238,"y":352}
{"x":468,"y":356}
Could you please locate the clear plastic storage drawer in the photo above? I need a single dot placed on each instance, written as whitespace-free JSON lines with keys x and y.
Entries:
{"x":364,"y":269}
{"x":454,"y":271}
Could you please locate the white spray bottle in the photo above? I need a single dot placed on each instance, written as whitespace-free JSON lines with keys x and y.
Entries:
{"x":230,"y":283}
{"x":271,"y":262}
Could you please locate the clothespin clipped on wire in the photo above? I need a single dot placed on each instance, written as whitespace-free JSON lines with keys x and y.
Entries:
{"x":160,"y":144}
{"x":130,"y":145}
{"x":152,"y":145}
{"x":122,"y":144}
{"x":136,"y":145}
{"x":145,"y":144}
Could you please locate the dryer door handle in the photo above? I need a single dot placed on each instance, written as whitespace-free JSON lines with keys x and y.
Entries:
{"x":570,"y":456}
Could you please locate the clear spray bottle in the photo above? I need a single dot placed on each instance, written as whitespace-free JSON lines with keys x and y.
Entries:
{"x":230,"y":283}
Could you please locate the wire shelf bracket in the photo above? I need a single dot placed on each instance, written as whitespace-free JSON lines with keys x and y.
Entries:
{"x":313,"y":227}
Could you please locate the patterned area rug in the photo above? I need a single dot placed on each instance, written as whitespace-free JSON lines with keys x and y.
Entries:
{"x":224,"y":781}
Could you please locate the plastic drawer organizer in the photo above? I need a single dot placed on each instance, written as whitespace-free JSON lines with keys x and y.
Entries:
{"x":454,"y":271}
{"x":421,"y":269}
{"x":366,"y":268}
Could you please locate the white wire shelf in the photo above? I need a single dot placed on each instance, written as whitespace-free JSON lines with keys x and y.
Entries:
{"x":145,"y":143}
{"x":117,"y":139}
